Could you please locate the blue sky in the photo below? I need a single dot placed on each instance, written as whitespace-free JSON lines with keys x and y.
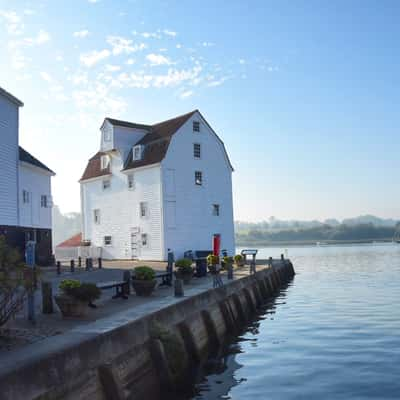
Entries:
{"x":305,"y":94}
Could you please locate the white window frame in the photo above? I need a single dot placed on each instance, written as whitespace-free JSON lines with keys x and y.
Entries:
{"x":107,"y":240}
{"x":144,"y":209}
{"x":216,"y":210}
{"x":196,"y":126}
{"x":96,"y":216}
{"x":43,"y":201}
{"x":197,"y":181}
{"x":144,"y":240}
{"x":137,"y":152}
{"x":197,"y":150}
{"x":131,"y":181}
{"x":104,"y":161}
{"x":103,"y":184}
{"x":25,"y":197}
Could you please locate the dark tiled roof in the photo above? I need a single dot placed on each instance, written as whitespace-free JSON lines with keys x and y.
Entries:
{"x":93,"y":168}
{"x":156,"y":142}
{"x":10,"y":97}
{"x":74,"y":241}
{"x":28,"y":158}
{"x":127,"y":124}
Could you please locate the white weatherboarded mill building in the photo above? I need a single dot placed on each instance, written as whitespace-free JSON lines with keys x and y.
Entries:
{"x":151,"y":188}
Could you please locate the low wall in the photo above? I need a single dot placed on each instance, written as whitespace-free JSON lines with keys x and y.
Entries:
{"x":143,"y":358}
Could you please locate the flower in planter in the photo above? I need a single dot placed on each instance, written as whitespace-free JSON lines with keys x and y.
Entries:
{"x":184,"y":269}
{"x":238,"y":259}
{"x":85,"y":292}
{"x":144,"y":273}
{"x":144,"y":280}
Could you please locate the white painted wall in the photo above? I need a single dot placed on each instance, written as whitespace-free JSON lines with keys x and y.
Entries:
{"x":9,"y":155}
{"x":37,"y":182}
{"x":119,"y":212}
{"x":192,"y":225}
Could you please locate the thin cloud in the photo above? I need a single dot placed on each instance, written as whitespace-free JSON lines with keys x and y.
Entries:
{"x":81,"y":34}
{"x":158,"y":59}
{"x":121,"y":45}
{"x":169,"y":33}
{"x":93,"y":57}
{"x":186,"y":94}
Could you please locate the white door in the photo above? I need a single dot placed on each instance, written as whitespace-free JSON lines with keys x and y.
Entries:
{"x":134,"y":243}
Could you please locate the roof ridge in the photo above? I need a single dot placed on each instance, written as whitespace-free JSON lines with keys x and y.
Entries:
{"x":174,"y":118}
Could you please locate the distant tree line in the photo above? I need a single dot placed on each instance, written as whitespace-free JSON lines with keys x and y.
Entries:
{"x":323,"y":233}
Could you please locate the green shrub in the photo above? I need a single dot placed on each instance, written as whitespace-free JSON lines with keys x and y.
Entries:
{"x":228,"y":260}
{"x":212,"y":259}
{"x":238,"y":258}
{"x":144,"y":273}
{"x":86,"y":292}
{"x":184,"y":265}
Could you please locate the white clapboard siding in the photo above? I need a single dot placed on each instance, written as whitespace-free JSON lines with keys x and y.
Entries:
{"x":192,"y":225}
{"x":119,"y":212}
{"x":9,"y":162}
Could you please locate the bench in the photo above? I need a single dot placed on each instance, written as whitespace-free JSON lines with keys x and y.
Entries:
{"x":120,"y":288}
{"x":166,"y":278}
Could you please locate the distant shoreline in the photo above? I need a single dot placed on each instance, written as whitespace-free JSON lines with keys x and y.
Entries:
{"x":253,"y":243}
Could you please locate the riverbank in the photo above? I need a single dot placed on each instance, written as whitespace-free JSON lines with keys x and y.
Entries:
{"x":263,"y":243}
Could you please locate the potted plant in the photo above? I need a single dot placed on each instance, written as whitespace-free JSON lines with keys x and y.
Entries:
{"x":239,"y":261}
{"x":212,"y":261}
{"x":184,"y":270}
{"x":75,"y":297}
{"x":144,"y":280}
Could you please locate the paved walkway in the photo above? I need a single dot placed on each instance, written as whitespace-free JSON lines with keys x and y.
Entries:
{"x":53,"y":324}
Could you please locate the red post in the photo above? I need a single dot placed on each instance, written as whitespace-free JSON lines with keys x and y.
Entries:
{"x":216,"y":244}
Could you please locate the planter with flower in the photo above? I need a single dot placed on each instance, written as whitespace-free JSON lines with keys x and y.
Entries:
{"x":228,"y":266}
{"x":239,"y":260}
{"x":213,"y":263}
{"x":75,"y":297}
{"x":184,"y":270}
{"x":144,"y":281}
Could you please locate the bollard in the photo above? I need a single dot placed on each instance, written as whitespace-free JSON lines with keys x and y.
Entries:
{"x":270,"y":262}
{"x":230,"y":271}
{"x":58,"y":268}
{"x":72,"y":266}
{"x":126,"y":277}
{"x":47,"y":298}
{"x":100,"y":262}
{"x":79,"y":261}
{"x":282,"y":257}
{"x":90,"y":263}
{"x":178,"y":287}
{"x":86,"y":264}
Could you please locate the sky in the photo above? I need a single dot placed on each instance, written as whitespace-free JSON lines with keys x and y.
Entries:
{"x":304,"y":94}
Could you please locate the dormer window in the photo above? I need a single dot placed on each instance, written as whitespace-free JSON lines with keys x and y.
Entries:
{"x":196,"y":126}
{"x":137,"y":152}
{"x":107,"y":134}
{"x":105,"y":161}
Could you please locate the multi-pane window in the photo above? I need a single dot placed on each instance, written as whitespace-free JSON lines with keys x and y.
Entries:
{"x":43,"y":201}
{"x":198,"y":178}
{"x":137,"y":152}
{"x":96,"y":216}
{"x":196,"y":126}
{"x":196,"y":150}
{"x":106,"y":184}
{"x":131,"y":182}
{"x":143,"y":209}
{"x":144,"y":239}
{"x":215,"y":210}
{"x":107,"y":240}
{"x":25,"y":196}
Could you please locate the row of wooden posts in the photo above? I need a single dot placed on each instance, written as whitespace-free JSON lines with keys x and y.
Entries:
{"x":88,"y":264}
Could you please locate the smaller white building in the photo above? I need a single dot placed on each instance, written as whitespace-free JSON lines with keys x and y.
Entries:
{"x":25,"y":187}
{"x":151,"y":188}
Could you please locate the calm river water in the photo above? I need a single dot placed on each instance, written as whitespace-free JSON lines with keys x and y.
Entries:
{"x":334,"y":333}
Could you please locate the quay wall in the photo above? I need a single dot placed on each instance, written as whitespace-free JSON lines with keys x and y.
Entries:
{"x":144,"y":358}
